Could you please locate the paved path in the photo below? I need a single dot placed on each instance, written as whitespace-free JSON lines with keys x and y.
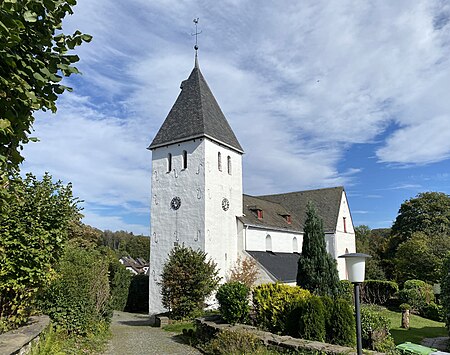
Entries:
{"x":440,"y":343}
{"x":132,"y":334}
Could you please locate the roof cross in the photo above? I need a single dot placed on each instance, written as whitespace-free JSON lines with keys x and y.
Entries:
{"x":196,"y":33}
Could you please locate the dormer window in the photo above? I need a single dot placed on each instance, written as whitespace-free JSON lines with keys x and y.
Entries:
{"x":287,"y":218}
{"x":259,"y":213}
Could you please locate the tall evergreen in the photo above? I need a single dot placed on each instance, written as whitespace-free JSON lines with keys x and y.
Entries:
{"x":317,"y":270}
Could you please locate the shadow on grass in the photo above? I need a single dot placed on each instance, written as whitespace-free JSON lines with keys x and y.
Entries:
{"x":415,"y":335}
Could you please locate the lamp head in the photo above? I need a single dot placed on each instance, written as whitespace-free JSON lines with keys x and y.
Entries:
{"x":356,"y":266}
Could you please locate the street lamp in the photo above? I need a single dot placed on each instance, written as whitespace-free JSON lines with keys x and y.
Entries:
{"x":356,"y":267}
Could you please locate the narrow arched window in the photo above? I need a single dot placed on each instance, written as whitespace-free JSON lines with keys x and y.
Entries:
{"x":268,"y":242}
{"x":219,"y":161}
{"x":184,"y":159}
{"x":169,"y":163}
{"x":229,"y":164}
{"x":295,"y":245}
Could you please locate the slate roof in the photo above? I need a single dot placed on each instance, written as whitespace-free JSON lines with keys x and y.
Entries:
{"x":327,"y":202}
{"x":195,"y":113}
{"x":283,"y":266}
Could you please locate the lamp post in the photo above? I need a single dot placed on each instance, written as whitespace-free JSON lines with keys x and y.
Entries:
{"x":356,"y":267}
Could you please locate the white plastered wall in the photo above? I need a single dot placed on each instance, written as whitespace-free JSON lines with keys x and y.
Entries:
{"x":345,"y":236}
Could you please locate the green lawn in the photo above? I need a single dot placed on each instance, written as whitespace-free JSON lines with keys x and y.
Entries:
{"x":419,"y":328}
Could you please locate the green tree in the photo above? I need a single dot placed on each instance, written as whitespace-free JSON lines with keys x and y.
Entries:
{"x":428,"y":212}
{"x":445,"y":291}
{"x":33,"y":229}
{"x":188,"y":278}
{"x":34,"y":56}
{"x":366,"y":242}
{"x":421,"y":257}
{"x":317,"y":270}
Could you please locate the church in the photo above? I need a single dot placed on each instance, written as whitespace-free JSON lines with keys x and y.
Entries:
{"x":197,"y":199}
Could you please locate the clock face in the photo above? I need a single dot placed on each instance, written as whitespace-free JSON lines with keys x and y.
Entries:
{"x":175,"y":203}
{"x":225,"y":204}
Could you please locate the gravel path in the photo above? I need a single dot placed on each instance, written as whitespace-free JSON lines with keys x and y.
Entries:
{"x":132,"y":334}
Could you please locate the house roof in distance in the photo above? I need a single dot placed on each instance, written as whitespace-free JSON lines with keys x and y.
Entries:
{"x":195,"y":114}
{"x":282,"y":266}
{"x":327,"y":202}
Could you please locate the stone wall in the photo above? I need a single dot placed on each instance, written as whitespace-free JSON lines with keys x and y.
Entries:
{"x":208,"y":326}
{"x":19,"y":341}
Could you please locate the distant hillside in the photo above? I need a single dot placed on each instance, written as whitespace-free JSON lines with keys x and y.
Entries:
{"x":126,"y":243}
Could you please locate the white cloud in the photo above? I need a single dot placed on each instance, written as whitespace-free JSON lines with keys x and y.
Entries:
{"x":300,"y":82}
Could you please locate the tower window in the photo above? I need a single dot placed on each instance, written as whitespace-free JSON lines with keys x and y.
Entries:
{"x":229,"y":164}
{"x":268,"y":242}
{"x":345,"y":224}
{"x":219,"y":161}
{"x":184,"y":159}
{"x":169,"y":163}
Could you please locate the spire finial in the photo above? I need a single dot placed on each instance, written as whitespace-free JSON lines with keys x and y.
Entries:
{"x":196,"y":35}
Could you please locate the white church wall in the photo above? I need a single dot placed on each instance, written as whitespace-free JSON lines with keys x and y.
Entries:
{"x":345,"y":236}
{"x":221,"y":227}
{"x":282,"y":242}
{"x":169,"y":226}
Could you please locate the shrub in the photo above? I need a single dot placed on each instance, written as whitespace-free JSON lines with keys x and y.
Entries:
{"x":119,"y":282}
{"x":186,"y":281}
{"x":245,"y":271}
{"x":346,"y":290}
{"x":378,"y":291}
{"x":433,"y":311}
{"x":445,"y":291}
{"x":416,"y":293}
{"x":33,"y":228}
{"x":234,"y":343}
{"x":375,"y":330}
{"x":78,"y":299}
{"x":233,"y":302}
{"x":341,"y":329}
{"x":138,"y":294}
{"x":312,"y":320}
{"x":271,"y":304}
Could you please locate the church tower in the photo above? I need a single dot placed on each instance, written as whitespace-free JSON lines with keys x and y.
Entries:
{"x":196,"y":183}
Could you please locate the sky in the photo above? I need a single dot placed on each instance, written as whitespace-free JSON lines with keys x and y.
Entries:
{"x":319,"y":93}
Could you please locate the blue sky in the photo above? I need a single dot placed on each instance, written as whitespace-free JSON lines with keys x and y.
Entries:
{"x":319,"y":94}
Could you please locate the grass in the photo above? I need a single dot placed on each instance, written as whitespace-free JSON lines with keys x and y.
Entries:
{"x":178,"y":326}
{"x":420,"y":328}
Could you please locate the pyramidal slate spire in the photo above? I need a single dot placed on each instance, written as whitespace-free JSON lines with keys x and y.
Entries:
{"x":195,"y":114}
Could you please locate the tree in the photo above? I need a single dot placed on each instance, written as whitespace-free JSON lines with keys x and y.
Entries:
{"x":445,"y":291}
{"x":366,"y":242}
{"x":34,"y":56}
{"x":187,"y":280}
{"x":245,"y":271}
{"x":421,"y":257}
{"x":33,"y":229}
{"x":317,"y":270}
{"x":428,"y":212}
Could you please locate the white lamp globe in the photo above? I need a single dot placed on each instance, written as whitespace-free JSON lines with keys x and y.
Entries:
{"x":356,"y":266}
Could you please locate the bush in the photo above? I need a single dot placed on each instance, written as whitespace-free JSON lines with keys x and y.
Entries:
{"x":272,"y":304}
{"x":187,"y":280}
{"x":416,"y":293}
{"x":378,"y":291}
{"x":433,"y":311}
{"x":138,"y":294}
{"x":341,"y":328}
{"x":234,"y":343}
{"x":346,"y":290}
{"x":78,"y":299}
{"x":306,"y":319}
{"x":445,"y":291}
{"x":119,"y":282}
{"x":375,"y":331}
{"x":233,"y":302}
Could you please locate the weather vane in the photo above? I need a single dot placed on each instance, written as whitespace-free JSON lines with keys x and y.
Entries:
{"x":196,"y":33}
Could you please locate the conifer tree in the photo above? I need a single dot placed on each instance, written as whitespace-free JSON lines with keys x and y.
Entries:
{"x":317,"y":270}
